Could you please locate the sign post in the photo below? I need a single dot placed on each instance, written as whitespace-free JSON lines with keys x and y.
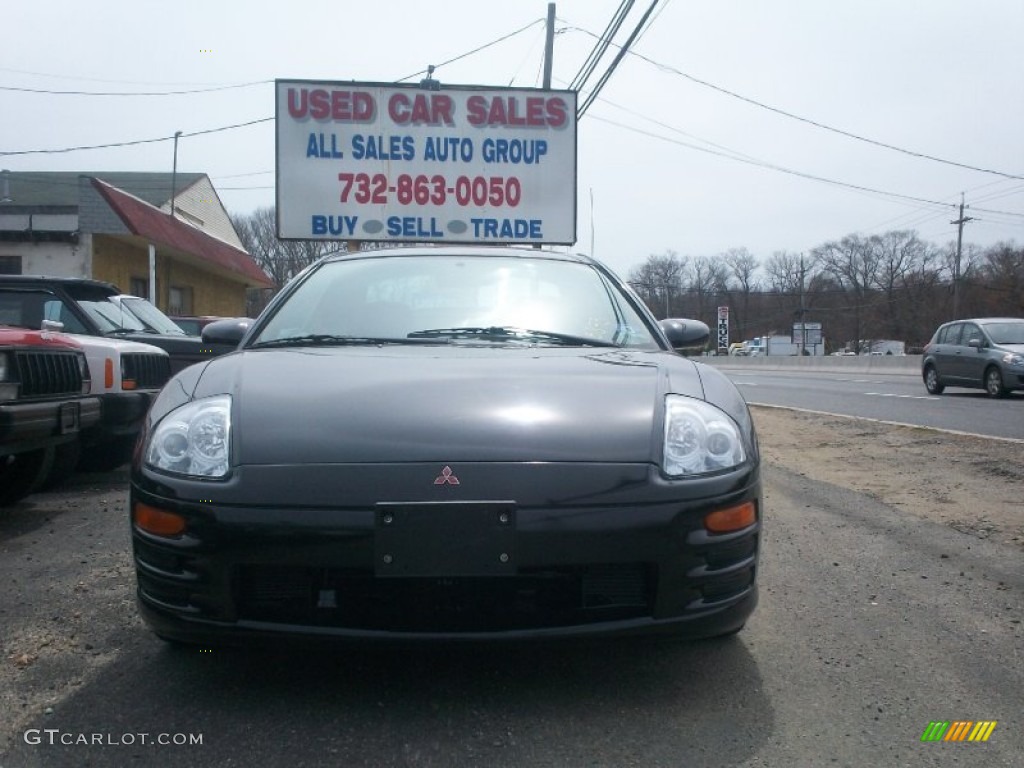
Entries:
{"x":723,"y":330}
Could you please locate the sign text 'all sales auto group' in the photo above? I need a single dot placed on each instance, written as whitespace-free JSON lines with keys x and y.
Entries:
{"x":458,"y":164}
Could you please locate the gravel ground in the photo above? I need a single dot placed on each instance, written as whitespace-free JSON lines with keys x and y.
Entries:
{"x":968,"y":483}
{"x":67,"y":610}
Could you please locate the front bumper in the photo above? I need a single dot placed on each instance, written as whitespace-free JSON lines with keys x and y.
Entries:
{"x":28,"y":426}
{"x":625,"y":558}
{"x":123,"y":414}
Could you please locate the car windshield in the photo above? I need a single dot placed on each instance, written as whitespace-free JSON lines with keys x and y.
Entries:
{"x":150,"y":316}
{"x":1006,"y":333}
{"x":96,"y":301}
{"x":110,"y":317}
{"x":457,"y":299}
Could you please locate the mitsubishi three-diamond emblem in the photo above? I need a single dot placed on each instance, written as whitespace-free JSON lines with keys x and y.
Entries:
{"x":446,"y":476}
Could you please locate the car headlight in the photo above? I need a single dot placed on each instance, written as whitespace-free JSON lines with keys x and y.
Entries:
{"x":1011,"y":358}
{"x":699,"y":438}
{"x":194,"y":439}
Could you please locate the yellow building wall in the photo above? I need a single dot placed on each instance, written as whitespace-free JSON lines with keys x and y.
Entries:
{"x":118,"y":262}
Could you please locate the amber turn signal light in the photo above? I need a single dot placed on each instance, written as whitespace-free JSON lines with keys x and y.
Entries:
{"x":732,"y":518}
{"x":158,"y":521}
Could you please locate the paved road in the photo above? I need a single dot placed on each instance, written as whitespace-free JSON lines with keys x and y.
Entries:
{"x":871,"y":625}
{"x":898,"y":398}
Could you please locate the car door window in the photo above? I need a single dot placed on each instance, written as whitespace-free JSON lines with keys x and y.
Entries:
{"x":56,"y":309}
{"x":971,"y":332}
{"x":951,"y":334}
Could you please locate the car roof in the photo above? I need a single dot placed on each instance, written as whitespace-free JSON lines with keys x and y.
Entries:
{"x":986,"y":320}
{"x":465,"y":250}
{"x":61,"y":280}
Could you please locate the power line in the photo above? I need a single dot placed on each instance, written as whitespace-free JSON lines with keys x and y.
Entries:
{"x":138,"y":142}
{"x":93,"y":79}
{"x":501,"y":39}
{"x":615,"y":62}
{"x":772,"y":166}
{"x":601,"y":46}
{"x":133,"y":93}
{"x":133,"y":143}
{"x":815,"y":123}
{"x":1001,"y":213}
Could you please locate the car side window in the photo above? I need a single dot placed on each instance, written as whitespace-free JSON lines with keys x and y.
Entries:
{"x":971,"y":333}
{"x":951,"y":334}
{"x":59,"y":311}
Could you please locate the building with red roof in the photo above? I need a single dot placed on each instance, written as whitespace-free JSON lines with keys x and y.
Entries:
{"x":118,"y":227}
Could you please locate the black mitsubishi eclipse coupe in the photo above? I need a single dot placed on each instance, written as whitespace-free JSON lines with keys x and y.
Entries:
{"x":449,"y":443}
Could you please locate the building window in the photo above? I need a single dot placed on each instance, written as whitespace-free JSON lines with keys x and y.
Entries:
{"x":10,"y":265}
{"x":140,"y":287}
{"x":180,"y":302}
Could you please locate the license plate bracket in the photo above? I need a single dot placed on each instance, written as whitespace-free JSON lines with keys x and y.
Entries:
{"x":453,"y":539}
{"x":69,"y":418}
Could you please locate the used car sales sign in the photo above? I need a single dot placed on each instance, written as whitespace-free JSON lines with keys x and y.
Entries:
{"x":464,"y":164}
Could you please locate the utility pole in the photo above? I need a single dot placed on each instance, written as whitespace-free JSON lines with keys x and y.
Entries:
{"x":802,"y":310}
{"x":174,"y":172}
{"x":549,"y":46}
{"x":549,"y":53}
{"x":956,"y":264}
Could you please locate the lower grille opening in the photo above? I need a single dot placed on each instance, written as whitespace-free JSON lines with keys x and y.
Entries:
{"x":727,"y":586}
{"x":532,"y":599}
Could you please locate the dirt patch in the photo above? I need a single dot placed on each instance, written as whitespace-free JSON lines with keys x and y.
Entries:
{"x":968,"y":483}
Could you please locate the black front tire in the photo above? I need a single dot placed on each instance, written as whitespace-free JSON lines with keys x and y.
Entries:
{"x":65,"y":461}
{"x":107,"y":456}
{"x":931,"y":381}
{"x":994,"y":383}
{"x":21,"y":473}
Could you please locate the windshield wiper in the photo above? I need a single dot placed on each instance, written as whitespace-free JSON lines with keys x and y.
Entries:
{"x":509,"y":333}
{"x":327,"y":340}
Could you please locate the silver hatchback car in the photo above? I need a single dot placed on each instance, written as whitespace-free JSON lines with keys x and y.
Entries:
{"x":984,"y":352}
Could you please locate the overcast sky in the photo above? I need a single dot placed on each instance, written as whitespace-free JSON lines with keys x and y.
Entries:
{"x":656,"y":152}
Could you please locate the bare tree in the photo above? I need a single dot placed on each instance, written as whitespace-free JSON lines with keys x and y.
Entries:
{"x":798,"y":285}
{"x":1002,"y":271}
{"x":898,"y":254}
{"x":741,"y":282}
{"x":854,"y":264}
{"x":659,"y":280}
{"x":706,"y":278}
{"x":970,"y":261}
{"x":281,"y":259}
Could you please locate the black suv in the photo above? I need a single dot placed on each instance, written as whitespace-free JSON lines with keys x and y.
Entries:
{"x":94,"y":308}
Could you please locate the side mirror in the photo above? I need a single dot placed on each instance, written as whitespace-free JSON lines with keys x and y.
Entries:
{"x":684,"y":333}
{"x":975,"y":342}
{"x":228,"y":331}
{"x":52,"y":325}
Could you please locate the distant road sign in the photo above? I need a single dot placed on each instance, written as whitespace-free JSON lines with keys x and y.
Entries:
{"x":723,"y":328}
{"x":807,"y":333}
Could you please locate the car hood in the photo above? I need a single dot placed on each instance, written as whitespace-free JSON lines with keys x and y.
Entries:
{"x":407,"y":404}
{"x":106,"y":345}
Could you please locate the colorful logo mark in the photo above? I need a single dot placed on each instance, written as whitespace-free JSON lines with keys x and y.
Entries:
{"x":959,"y":730}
